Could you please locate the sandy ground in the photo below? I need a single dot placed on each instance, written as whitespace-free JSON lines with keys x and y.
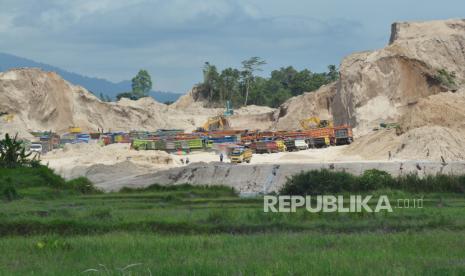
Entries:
{"x":116,"y":166}
{"x":331,"y":154}
{"x":82,"y":159}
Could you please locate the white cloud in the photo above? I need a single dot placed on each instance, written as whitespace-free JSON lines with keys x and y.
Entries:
{"x":172,"y":38}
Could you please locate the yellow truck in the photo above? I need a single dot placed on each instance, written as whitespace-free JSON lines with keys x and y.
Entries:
{"x":240,"y":155}
{"x":281,"y":145}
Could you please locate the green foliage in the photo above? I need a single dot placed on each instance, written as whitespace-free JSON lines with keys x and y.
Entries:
{"x":213,"y":191}
{"x":83,"y":186}
{"x":243,"y":87}
{"x":318,"y":183}
{"x":374,"y":179}
{"x":325,"y":181}
{"x":446,"y":78}
{"x":41,"y":181}
{"x":249,"y":67}
{"x":141,"y":86}
{"x":128,"y":95}
{"x":10,"y":193}
{"x":13,"y":153}
{"x":53,"y":244}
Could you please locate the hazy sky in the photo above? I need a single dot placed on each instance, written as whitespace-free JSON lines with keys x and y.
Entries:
{"x":173,"y":38}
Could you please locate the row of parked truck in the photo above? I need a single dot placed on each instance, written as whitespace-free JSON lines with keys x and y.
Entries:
{"x":175,"y":139}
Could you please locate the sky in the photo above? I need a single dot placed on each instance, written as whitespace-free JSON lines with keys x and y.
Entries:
{"x":172,"y":39}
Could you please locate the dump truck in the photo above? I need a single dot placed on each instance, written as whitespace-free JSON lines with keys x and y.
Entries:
{"x":266,"y":147}
{"x":343,"y":135}
{"x":240,"y":155}
{"x":281,"y":145}
{"x":300,"y":144}
{"x":290,"y":145}
{"x":318,"y":142}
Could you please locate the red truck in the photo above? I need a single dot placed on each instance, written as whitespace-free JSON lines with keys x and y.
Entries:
{"x":266,"y":147}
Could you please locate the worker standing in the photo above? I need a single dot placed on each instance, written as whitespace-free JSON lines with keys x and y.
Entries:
{"x":221,"y":157}
{"x":187,"y":160}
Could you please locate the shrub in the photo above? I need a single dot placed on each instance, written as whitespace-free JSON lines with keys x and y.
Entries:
{"x":324,"y":181}
{"x":373,"y":179}
{"x":445,"y":78}
{"x":318,"y":182}
{"x":49,"y":176}
{"x":83,"y":186}
{"x":12,"y":153}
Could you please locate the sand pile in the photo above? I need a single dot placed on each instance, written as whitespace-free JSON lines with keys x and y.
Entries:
{"x":85,"y":159}
{"x":378,"y":86}
{"x":423,"y":143}
{"x":44,"y":101}
{"x":318,"y":103}
{"x":430,"y":128}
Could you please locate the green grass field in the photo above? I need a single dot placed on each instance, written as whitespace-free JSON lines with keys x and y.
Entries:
{"x":64,"y":230}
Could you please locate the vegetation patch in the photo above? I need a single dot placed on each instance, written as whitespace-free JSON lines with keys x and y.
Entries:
{"x":446,"y":78}
{"x":319,"y":182}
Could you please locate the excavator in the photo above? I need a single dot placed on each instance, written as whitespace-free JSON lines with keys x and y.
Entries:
{"x":219,"y":122}
{"x":229,"y":110}
{"x":315,"y":122}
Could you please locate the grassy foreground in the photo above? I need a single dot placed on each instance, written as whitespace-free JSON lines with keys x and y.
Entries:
{"x":53,"y":227}
{"x":423,"y":253}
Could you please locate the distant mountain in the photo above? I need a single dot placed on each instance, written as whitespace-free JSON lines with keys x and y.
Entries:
{"x":94,"y":85}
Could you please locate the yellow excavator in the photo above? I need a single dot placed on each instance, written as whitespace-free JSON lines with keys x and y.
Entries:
{"x":219,"y":122}
{"x":315,"y":122}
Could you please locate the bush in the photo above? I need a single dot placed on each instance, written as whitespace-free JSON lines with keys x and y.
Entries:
{"x":50,"y":177}
{"x":324,"y":181}
{"x":13,"y":153}
{"x":83,"y":186}
{"x":318,"y":182}
{"x":447,"y":79}
{"x":374,"y":180}
{"x":23,"y":177}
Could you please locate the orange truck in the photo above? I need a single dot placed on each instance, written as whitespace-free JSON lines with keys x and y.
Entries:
{"x":343,"y":135}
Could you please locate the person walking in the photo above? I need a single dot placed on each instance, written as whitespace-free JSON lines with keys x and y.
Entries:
{"x":221,"y":157}
{"x":187,"y":160}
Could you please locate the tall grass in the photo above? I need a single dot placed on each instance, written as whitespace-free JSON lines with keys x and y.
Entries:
{"x":41,"y":178}
{"x":324,"y":181}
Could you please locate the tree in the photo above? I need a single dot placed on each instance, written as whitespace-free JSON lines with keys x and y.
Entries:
{"x":230,"y":83}
{"x":244,"y":87}
{"x":210,"y":79}
{"x":12,"y":153}
{"x":333,"y":73}
{"x":141,"y":84}
{"x":249,"y":67}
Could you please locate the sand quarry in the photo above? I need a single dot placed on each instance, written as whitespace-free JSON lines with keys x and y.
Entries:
{"x":417,"y":82}
{"x":116,"y":166}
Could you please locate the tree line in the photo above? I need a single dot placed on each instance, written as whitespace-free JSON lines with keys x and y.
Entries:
{"x":243,"y":87}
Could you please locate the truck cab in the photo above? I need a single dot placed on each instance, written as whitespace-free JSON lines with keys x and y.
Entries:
{"x":240,"y":155}
{"x":300,"y":144}
{"x":36,"y":147}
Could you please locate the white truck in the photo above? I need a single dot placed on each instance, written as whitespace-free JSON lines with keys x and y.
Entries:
{"x":36,"y":147}
{"x":300,"y":144}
